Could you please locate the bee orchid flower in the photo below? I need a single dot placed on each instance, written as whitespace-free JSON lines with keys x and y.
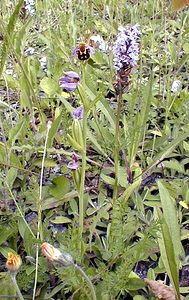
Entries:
{"x":83,"y":51}
{"x":70,"y":82}
{"x":74,"y":163}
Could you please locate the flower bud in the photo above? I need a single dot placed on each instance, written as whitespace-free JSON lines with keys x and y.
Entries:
{"x":77,"y":132}
{"x":55,"y":255}
{"x":13,"y":262}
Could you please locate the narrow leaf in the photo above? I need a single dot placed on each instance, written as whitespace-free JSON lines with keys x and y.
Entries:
{"x":9,"y":32}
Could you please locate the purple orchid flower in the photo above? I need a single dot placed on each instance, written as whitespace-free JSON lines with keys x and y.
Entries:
{"x":74,"y":163}
{"x":78,"y":113}
{"x":70,"y":81}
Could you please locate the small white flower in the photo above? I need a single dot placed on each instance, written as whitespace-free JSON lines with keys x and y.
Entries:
{"x":99,"y":41}
{"x":176,"y":86}
{"x":30,"y":6}
{"x":29,"y":51}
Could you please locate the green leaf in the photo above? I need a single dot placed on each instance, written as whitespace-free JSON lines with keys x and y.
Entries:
{"x":60,"y":187}
{"x":6,"y":286}
{"x":49,"y":163}
{"x":5,"y":250}
{"x":140,"y":121}
{"x":167,"y":150}
{"x":9,"y":32}
{"x":52,"y":202}
{"x":131,"y":188}
{"x":5,"y":233}
{"x":60,"y":220}
{"x":170,"y":215}
{"x":19,"y":38}
{"x":49,"y":86}
{"x":174,"y":165}
{"x":55,"y":291}
{"x":107,"y":179}
{"x":83,"y":95}
{"x":53,"y":130}
{"x":27,"y":237}
{"x":11,"y":176}
{"x":15,"y":132}
{"x":134,"y":284}
{"x":26,"y":92}
{"x":168,"y":256}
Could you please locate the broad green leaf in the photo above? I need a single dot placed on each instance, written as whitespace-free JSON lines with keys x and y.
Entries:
{"x":83,"y":95}
{"x":134,"y":284}
{"x":104,"y":106}
{"x":55,"y":291}
{"x":131,"y":188}
{"x":49,"y":163}
{"x":96,"y":99}
{"x":49,"y":86}
{"x":53,"y":130}
{"x":167,"y":150}
{"x":25,"y":89}
{"x":6,"y":232}
{"x":166,"y":244}
{"x":11,"y":176}
{"x":6,"y":286}
{"x":171,"y":219}
{"x":27,"y":236}
{"x":52,"y":202}
{"x":4,"y":105}
{"x":15,"y":132}
{"x":20,"y":37}
{"x":174,"y":165}
{"x":140,"y":121}
{"x":95,"y":142}
{"x":122,"y":177}
{"x":60,"y":220}
{"x":107,"y":179}
{"x":5,"y":250}
{"x":60,"y":187}
{"x":67,"y":104}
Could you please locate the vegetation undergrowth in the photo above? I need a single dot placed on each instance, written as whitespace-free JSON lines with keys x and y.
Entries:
{"x":94,"y":150}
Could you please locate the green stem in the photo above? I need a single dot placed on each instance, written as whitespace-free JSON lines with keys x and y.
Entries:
{"x":88,"y":281}
{"x":39,"y":222}
{"x":82,"y":181}
{"x":116,"y":146}
{"x":13,"y":277}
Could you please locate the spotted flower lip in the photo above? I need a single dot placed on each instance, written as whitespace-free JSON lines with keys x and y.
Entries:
{"x":78,"y":113}
{"x":13,"y":262}
{"x":83,"y":51}
{"x":70,"y":81}
{"x":74,"y":163}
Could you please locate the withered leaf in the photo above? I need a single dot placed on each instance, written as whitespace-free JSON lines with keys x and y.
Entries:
{"x":177,"y":4}
{"x":161,"y":291}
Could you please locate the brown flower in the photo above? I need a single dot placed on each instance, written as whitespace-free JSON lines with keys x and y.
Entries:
{"x":13,"y":262}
